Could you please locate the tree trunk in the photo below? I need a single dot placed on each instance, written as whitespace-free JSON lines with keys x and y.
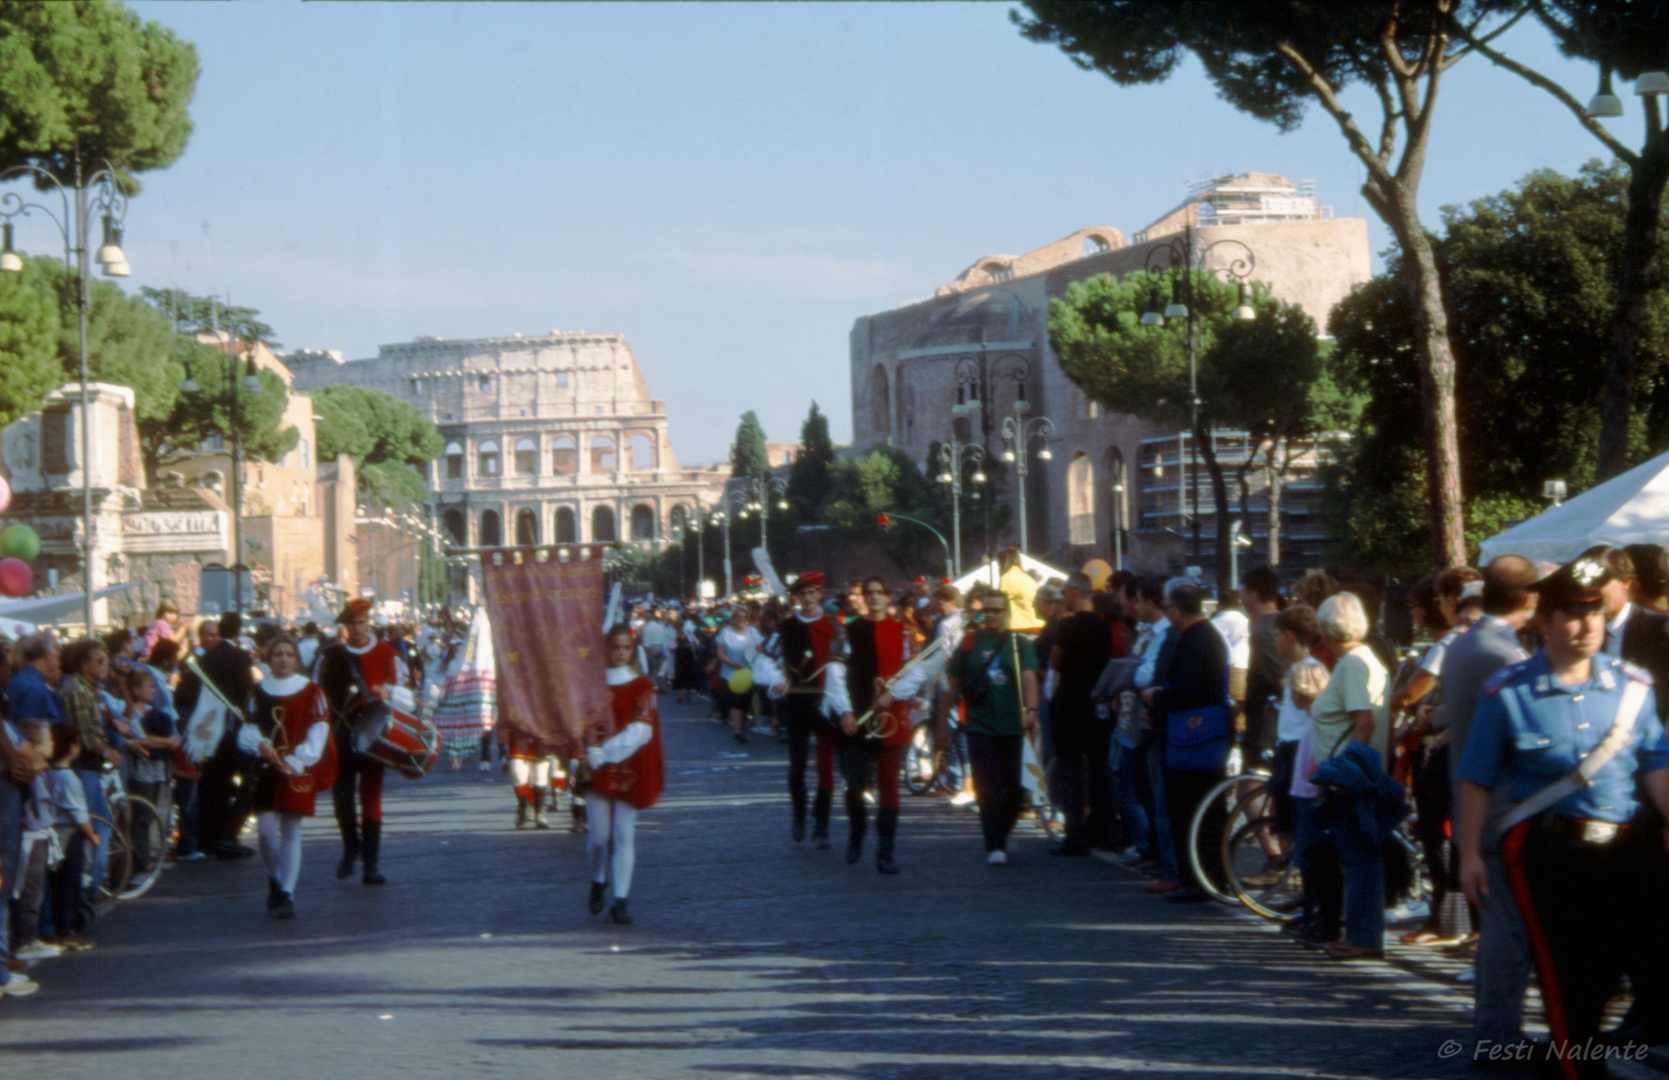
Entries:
{"x":1634,"y":280}
{"x":1219,"y":498}
{"x":1437,"y":370}
{"x":1274,"y":505}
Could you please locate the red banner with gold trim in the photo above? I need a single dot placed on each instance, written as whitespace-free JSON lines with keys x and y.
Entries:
{"x":546,"y":607}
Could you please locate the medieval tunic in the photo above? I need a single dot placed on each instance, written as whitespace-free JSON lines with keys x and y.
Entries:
{"x":292,"y":715}
{"x":633,"y":771}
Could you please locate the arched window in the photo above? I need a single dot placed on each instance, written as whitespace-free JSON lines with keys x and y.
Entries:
{"x":455,"y":526}
{"x":643,"y":452}
{"x":487,"y":458}
{"x":643,"y":523}
{"x":491,"y":535}
{"x":679,"y":520}
{"x":564,"y":459}
{"x":454,"y":461}
{"x":602,"y":525}
{"x":527,"y":457}
{"x":527,"y":528}
{"x":1093,"y":245}
{"x":1118,"y":491}
{"x":880,"y":404}
{"x":1080,"y":499}
{"x":602,"y":455}
{"x":566,"y":533}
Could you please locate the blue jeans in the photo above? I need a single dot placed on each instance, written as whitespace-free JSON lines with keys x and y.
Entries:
{"x":11,"y":852}
{"x":1163,"y":843}
{"x":92,"y":786}
{"x":1128,"y":760}
{"x":1363,"y":864}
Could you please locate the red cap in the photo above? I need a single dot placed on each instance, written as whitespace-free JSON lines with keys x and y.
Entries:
{"x":811,"y":579}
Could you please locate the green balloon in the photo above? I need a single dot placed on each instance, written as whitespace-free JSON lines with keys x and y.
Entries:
{"x":19,"y":542}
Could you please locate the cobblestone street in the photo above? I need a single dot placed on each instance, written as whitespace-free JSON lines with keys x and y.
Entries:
{"x":751,"y":957}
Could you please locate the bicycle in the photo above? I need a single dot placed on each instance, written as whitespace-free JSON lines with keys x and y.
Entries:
{"x":927,"y":765}
{"x":143,"y":832}
{"x":1227,"y":808}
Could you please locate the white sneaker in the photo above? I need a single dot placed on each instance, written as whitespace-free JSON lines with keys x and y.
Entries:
{"x":38,"y":950}
{"x":997,"y":858}
{"x":962,"y":798}
{"x":481,"y":766}
{"x":19,"y":986}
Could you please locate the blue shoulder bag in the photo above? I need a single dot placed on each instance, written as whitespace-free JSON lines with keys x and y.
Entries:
{"x":1197,"y":738}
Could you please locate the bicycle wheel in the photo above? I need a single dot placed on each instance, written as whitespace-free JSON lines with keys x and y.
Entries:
{"x":921,"y":760}
{"x":147,"y":837}
{"x":1271,"y":886}
{"x":1221,"y":812}
{"x":118,"y":864}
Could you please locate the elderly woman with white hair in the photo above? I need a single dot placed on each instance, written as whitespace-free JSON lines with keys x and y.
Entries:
{"x":1353,"y":708}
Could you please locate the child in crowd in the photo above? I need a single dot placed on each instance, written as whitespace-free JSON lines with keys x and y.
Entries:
{"x":1313,"y":843}
{"x":74,"y":827}
{"x":149,"y":753}
{"x":40,"y":853}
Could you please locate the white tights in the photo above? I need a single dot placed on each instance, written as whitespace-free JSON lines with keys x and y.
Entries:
{"x":609,"y":820}
{"x":280,"y":836}
{"x":524,"y":772}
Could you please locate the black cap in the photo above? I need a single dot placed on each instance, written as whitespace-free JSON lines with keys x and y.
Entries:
{"x":1575,"y":587}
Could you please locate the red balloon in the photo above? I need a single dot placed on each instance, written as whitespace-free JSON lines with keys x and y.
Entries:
{"x":16,"y":579}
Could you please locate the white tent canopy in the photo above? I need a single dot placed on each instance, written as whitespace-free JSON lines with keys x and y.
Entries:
{"x":989,"y":573}
{"x":1629,"y":509}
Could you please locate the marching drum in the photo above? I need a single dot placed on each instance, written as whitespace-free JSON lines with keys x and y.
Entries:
{"x":407,"y":744}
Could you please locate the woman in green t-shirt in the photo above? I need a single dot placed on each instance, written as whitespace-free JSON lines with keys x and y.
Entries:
{"x":995,"y":672}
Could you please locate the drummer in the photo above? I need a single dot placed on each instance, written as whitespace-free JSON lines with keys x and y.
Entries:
{"x":291,"y":734}
{"x":354,"y":674}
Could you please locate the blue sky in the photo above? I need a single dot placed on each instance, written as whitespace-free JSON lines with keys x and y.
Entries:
{"x":729,"y":186}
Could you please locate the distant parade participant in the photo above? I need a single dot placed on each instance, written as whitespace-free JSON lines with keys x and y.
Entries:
{"x":805,"y":641}
{"x":1567,"y":734}
{"x":627,"y":773}
{"x":877,"y":648}
{"x":291,"y":735}
{"x":530,"y":775}
{"x":354,"y":673}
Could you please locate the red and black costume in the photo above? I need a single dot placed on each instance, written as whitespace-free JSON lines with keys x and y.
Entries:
{"x":638,"y":778}
{"x":286,"y":721}
{"x":349,"y":675}
{"x":876,"y":650}
{"x":806,"y":645}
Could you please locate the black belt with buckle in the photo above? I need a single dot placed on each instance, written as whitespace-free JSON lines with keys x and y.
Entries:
{"x":1586,"y":830}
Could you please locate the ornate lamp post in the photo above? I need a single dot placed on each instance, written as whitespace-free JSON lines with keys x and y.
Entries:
{"x":1019,"y":434}
{"x":1176,"y":254}
{"x":951,"y":459}
{"x":100,"y":194}
{"x":762,"y":493}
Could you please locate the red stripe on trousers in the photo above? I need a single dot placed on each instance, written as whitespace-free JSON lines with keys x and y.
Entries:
{"x":1512,"y":854}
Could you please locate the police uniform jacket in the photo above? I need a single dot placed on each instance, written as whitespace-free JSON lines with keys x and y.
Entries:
{"x":1531,"y":729}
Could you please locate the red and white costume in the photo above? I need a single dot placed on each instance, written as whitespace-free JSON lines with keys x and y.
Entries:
{"x":627,"y":773}
{"x":292,"y":715}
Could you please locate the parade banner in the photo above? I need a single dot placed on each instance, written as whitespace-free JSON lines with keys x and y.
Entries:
{"x":544,"y":604}
{"x":469,"y":704}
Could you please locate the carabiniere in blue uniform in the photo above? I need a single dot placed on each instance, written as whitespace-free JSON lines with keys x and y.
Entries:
{"x":1579,"y":868}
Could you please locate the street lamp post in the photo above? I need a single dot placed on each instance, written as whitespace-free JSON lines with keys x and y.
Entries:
{"x":1018,"y":435}
{"x":1175,"y":253}
{"x":110,"y":202}
{"x":951,"y":459}
{"x":250,"y":383}
{"x":761,"y":493}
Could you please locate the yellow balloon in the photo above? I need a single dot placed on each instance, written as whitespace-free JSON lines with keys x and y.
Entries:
{"x":1099,"y":570}
{"x":741,"y":681}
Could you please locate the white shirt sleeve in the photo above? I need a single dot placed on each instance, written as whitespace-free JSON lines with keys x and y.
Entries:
{"x":249,"y":739}
{"x":767,"y":673}
{"x":836,"y":701}
{"x":1150,"y":658}
{"x":622,"y":746}
{"x":310,"y":751}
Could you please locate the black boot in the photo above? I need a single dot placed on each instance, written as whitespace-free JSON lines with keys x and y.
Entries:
{"x":820,"y":818}
{"x":521,"y":810}
{"x":857,"y":822}
{"x":348,"y":823}
{"x":595,"y":901}
{"x":373,"y":849}
{"x":797,"y":796}
{"x":273,"y":893}
{"x":285,"y":908}
{"x":617,"y":914}
{"x":886,"y":829}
